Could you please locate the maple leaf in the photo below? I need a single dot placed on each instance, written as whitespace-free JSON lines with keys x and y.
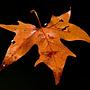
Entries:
{"x":52,"y":51}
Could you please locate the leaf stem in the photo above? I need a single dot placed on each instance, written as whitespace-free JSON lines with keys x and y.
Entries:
{"x":33,"y":11}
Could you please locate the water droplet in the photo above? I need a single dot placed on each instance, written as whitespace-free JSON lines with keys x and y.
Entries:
{"x":45,"y":24}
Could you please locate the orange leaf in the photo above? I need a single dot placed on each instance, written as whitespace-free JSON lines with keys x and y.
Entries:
{"x":52,"y":51}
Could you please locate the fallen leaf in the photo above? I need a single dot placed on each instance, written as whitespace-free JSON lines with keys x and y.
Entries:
{"x":52,"y":51}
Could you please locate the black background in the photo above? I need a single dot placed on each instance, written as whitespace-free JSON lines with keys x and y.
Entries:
{"x":22,"y":75}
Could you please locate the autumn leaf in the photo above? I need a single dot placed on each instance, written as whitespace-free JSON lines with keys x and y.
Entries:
{"x":52,"y":51}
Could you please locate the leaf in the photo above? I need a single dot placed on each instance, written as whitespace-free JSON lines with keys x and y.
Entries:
{"x":52,"y":51}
